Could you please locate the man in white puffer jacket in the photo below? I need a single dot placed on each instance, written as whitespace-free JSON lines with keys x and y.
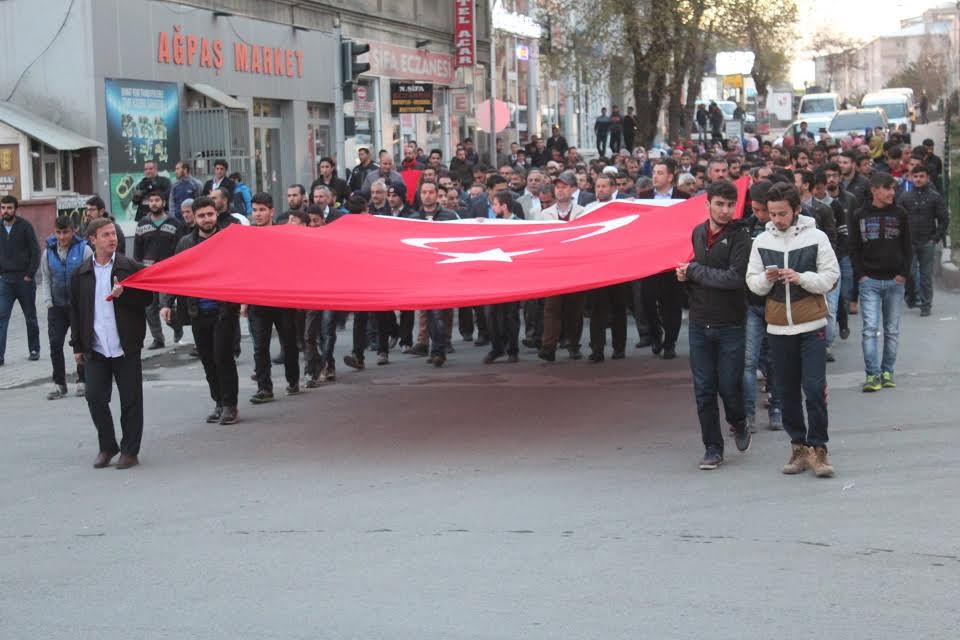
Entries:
{"x":794,"y":266}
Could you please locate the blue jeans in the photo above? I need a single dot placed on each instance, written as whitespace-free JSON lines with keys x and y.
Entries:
{"x":833,"y":302}
{"x":320,"y":337}
{"x":756,"y":335}
{"x":881,"y":303}
{"x":800,"y":363}
{"x":16,"y":290}
{"x":848,"y":285}
{"x":920,"y":284}
{"x":716,"y":361}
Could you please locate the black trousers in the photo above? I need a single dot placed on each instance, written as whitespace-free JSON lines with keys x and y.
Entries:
{"x":262,"y":322}
{"x":609,"y":309}
{"x":58,"y":323}
{"x":533,"y":320}
{"x":663,"y":305}
{"x":474,"y":316}
{"x":636,"y":292}
{"x":503,"y":322}
{"x":407,"y":320}
{"x":214,"y":335}
{"x":127,"y":372}
{"x":384,"y":322}
{"x":319,"y":339}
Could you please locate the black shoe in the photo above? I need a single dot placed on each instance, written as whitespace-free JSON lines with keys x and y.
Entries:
{"x":253,"y":377}
{"x":439,"y":360}
{"x":215,"y":415}
{"x":513,"y":357}
{"x":177,"y":335}
{"x":262,"y":397}
{"x":595,"y":357}
{"x":467,"y":338}
{"x":449,"y":348}
{"x":156,"y":344}
{"x":669,"y":352}
{"x":492,"y":356}
{"x":547,"y":354}
{"x":430,"y":359}
{"x":618,"y":355}
{"x":1,"y":362}
{"x":656,"y":345}
{"x":419,"y":350}
{"x":712,"y":459}
{"x":742,"y":436}
{"x":911,"y":304}
{"x":844,"y":333}
{"x":311,"y":383}
{"x":230,"y":416}
{"x":34,"y":355}
{"x":293,"y":389}
{"x":925,"y":312}
{"x":277,"y":360}
{"x":643,"y":343}
{"x":351,"y":360}
{"x":830,"y":356}
{"x":528,"y":343}
{"x":194,"y":353}
{"x":575,"y":354}
{"x":481,"y":342}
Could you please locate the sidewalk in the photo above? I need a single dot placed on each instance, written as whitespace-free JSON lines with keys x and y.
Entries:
{"x":19,"y":371}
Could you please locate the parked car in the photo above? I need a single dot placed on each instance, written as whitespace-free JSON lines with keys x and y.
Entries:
{"x":813,"y":126}
{"x":857,"y":121}
{"x":894,"y":103}
{"x":818,"y":106}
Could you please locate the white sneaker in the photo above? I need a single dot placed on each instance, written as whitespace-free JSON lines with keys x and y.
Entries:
{"x":81,"y":390}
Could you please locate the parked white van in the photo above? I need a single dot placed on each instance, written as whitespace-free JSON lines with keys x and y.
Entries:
{"x":894,"y":103}
{"x":818,"y":106}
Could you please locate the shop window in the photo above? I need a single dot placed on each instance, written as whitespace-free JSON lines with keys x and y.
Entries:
{"x":318,"y":133}
{"x":51,"y":169}
{"x":266,"y":108}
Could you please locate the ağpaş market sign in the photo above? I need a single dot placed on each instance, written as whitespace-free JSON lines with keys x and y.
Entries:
{"x":188,"y":50}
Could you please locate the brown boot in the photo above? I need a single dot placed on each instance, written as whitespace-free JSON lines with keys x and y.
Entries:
{"x":820,"y":463}
{"x":801,"y":459}
{"x":126,"y":461}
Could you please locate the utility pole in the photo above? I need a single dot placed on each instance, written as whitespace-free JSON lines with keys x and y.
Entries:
{"x":493,"y":94}
{"x":339,"y":139}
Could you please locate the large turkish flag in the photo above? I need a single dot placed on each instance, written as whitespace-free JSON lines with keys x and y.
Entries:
{"x":369,"y":263}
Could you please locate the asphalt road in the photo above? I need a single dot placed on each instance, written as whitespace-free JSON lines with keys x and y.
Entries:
{"x":528,"y":500}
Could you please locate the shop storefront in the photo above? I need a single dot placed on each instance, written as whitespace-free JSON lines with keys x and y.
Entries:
{"x":200,"y":85}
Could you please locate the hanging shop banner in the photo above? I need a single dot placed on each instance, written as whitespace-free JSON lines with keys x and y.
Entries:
{"x":10,"y":170}
{"x":411,"y":97}
{"x":464,"y":33}
{"x":143,"y":125}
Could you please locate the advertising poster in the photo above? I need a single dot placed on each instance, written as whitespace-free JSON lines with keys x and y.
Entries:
{"x":143,"y":124}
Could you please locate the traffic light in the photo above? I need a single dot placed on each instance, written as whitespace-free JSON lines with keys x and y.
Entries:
{"x":352,"y":69}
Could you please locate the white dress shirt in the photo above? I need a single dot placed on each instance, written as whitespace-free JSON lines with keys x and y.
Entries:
{"x":106,"y":340}
{"x":666,"y":195}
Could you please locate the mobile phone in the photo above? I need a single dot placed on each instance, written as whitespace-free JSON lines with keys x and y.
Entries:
{"x":772,"y":267}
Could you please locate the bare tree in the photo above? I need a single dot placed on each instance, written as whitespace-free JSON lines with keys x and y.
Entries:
{"x":840,"y":54}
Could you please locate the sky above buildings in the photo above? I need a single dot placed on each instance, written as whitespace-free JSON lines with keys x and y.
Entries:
{"x":861,"y":19}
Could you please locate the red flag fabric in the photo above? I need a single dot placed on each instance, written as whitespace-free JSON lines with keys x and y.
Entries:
{"x":411,"y":178}
{"x":370,"y":263}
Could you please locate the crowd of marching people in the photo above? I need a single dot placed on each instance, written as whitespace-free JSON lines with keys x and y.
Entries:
{"x":832,"y":228}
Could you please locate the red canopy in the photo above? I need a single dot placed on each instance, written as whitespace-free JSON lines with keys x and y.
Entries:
{"x":368,"y":263}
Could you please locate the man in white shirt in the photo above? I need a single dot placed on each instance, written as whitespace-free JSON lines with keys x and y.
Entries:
{"x":108,"y":324}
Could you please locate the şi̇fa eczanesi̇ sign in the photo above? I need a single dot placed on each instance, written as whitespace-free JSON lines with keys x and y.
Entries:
{"x":411,"y":97}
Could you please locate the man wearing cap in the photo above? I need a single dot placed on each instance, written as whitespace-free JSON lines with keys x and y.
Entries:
{"x":565,"y":208}
{"x":397,"y":202}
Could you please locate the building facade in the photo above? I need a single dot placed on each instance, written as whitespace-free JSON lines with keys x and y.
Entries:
{"x":94,"y":88}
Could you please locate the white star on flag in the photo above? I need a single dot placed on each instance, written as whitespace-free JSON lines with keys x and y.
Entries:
{"x":490,"y":255}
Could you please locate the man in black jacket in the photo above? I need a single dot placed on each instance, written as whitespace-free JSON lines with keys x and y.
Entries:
{"x":107,"y":327}
{"x":929,"y":219}
{"x":716,"y":287}
{"x":881,"y":251}
{"x":155,"y":240}
{"x":219,"y":179}
{"x":264,"y":319}
{"x":19,"y":261}
{"x":214,"y":325}
{"x":97,"y":208}
{"x":150,"y":183}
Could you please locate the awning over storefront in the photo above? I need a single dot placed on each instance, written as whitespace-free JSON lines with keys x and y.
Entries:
{"x":217,"y":96}
{"x":51,"y":134}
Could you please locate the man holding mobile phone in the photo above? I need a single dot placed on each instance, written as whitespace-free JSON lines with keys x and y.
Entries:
{"x":796,"y":315}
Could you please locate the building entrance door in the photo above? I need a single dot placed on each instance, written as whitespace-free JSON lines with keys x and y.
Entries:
{"x":266,"y":161}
